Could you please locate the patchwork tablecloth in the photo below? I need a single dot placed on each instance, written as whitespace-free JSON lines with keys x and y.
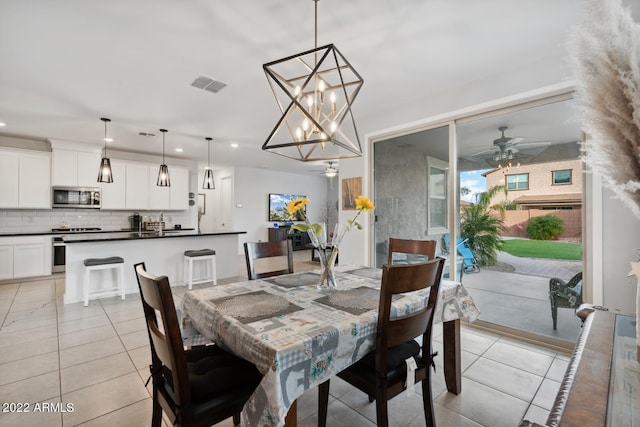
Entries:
{"x":297,"y":335}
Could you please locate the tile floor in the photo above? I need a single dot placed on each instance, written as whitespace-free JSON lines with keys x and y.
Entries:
{"x":95,"y":360}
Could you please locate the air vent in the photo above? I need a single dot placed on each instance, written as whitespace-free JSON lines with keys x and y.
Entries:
{"x":146,"y":134}
{"x":209,"y":84}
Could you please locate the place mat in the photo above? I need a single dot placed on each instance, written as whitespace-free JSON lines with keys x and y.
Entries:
{"x":295,"y":280}
{"x":254,"y":306}
{"x":371,"y":273}
{"x":355,"y":301}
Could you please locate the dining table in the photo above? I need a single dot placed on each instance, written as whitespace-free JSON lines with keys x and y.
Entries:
{"x":299,"y":335}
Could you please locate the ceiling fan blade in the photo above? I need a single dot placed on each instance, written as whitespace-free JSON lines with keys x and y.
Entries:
{"x":532,"y":144}
{"x":516,"y":140}
{"x":487,"y":151}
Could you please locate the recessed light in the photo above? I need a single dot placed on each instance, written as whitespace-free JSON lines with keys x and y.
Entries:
{"x":108,"y":139}
{"x":179,"y":150}
{"x":2,"y":124}
{"x":234,"y":145}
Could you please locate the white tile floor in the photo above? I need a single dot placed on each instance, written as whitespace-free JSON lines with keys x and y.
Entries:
{"x":96,"y":358}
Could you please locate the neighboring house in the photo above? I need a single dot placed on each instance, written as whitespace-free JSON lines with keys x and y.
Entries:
{"x":541,"y":189}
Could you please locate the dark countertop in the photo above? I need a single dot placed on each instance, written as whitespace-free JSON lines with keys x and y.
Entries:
{"x":127,"y":235}
{"x":61,"y":233}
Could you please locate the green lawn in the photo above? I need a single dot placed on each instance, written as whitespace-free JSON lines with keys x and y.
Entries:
{"x":543,"y":249}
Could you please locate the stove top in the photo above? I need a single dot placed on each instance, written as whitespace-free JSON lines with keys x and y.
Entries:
{"x":75,"y":229}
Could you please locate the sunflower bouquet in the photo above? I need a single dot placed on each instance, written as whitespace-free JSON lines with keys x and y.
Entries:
{"x":327,"y":250}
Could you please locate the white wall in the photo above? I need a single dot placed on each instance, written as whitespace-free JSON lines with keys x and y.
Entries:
{"x":620,"y":236}
{"x":251,"y":188}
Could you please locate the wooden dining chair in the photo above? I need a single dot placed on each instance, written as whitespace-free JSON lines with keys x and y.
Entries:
{"x":382,"y":374}
{"x":418,"y":248}
{"x":197,"y":387}
{"x":260,"y":250}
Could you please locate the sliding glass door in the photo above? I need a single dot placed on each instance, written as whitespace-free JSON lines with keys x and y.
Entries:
{"x":429,"y":184}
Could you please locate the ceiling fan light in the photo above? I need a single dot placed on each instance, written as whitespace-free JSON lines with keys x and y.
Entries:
{"x":331,"y":174}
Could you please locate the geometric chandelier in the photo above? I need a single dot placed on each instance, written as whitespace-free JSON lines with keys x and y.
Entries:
{"x":314,"y":91}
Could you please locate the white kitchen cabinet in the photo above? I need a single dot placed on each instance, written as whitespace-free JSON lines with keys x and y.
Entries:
{"x":34,"y":179}
{"x":88,"y":166}
{"x":25,"y":179}
{"x":134,"y":188}
{"x":25,"y":256}
{"x":6,"y":262}
{"x":75,"y":168}
{"x":159,"y":197}
{"x":179,"y":188}
{"x":137,"y":194}
{"x":65,"y":168}
{"x":28,"y":260}
{"x":9,"y":165}
{"x":114,"y":193}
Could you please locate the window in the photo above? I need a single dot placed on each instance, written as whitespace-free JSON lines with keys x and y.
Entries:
{"x":518,"y":182}
{"x":438,"y":218}
{"x":562,"y":177}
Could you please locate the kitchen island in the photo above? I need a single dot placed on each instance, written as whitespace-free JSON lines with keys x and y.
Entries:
{"x":162,"y":253}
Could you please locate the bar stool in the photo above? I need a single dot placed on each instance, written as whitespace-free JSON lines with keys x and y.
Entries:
{"x":199,"y":255}
{"x":94,"y":264}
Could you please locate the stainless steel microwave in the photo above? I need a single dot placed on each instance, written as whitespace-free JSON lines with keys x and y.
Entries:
{"x":76,"y":197}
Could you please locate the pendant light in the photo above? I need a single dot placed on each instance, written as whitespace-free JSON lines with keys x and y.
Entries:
{"x":163,"y":173}
{"x":104,"y":173}
{"x":208,"y":183}
{"x":314,"y":91}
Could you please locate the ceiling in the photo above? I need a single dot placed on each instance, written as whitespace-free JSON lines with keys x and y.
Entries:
{"x":64,"y":64}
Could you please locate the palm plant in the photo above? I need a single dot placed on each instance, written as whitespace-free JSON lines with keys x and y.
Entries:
{"x":482,"y":228}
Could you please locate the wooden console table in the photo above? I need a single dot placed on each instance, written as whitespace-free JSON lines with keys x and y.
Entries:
{"x":601,"y":386}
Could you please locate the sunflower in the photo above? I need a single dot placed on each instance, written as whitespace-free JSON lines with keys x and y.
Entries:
{"x":297,"y":204}
{"x":364,"y":204}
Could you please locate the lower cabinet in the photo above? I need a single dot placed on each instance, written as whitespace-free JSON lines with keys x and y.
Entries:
{"x":25,"y":257}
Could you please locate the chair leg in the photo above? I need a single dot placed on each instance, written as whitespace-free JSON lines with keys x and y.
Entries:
{"x":323,"y":402}
{"x":156,"y":417}
{"x":382,"y":415}
{"x":236,"y":419}
{"x":427,"y":401}
{"x":554,"y":315}
{"x":121,"y":268}
{"x":85,"y":288}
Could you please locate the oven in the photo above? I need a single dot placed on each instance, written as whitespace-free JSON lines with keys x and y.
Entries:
{"x":59,"y":254}
{"x":59,"y":247}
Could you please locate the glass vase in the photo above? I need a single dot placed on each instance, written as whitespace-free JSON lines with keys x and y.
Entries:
{"x":327,"y":279}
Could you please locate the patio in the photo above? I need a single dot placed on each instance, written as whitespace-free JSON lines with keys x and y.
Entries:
{"x":519,"y":299}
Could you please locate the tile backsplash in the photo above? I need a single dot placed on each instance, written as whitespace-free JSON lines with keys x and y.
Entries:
{"x":43,"y":220}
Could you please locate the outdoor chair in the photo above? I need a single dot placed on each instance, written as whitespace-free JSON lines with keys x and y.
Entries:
{"x":469,"y":262}
{"x":382,"y":374}
{"x":564,"y":295}
{"x":257,"y":250}
{"x":197,"y":387}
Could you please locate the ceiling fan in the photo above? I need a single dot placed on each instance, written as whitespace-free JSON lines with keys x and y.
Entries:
{"x":505,"y":149}
{"x":330,"y":171}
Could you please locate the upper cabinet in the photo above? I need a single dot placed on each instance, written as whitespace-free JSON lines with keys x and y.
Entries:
{"x":75,"y":168}
{"x":134,"y":188}
{"x":114,"y":193}
{"x":179,"y":188}
{"x":25,"y":179}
